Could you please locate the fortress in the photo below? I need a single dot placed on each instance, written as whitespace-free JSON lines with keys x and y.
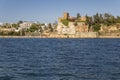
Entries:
{"x":76,"y":26}
{"x":66,"y":16}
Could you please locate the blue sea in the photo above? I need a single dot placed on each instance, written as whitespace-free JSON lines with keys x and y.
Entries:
{"x":59,"y":59}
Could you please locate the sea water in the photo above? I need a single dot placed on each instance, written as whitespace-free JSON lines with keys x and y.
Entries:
{"x":59,"y":59}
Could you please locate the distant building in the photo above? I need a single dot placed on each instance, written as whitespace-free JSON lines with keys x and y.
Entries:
{"x":25,"y":25}
{"x":66,"y":15}
{"x":1,"y":24}
{"x":81,"y":19}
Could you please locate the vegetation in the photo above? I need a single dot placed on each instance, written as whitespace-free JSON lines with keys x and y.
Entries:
{"x":96,"y":27}
{"x":65,"y":22}
{"x":19,"y":22}
{"x":50,"y":27}
{"x":97,"y":20}
{"x":34,"y":27}
{"x":78,"y":15}
{"x":15,"y":26}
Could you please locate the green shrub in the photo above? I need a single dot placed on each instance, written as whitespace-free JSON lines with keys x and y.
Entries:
{"x":65,"y":22}
{"x":96,"y":27}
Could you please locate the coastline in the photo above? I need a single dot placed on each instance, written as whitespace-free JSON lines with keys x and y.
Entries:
{"x":56,"y":37}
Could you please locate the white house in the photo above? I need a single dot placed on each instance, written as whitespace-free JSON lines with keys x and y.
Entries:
{"x":25,"y":25}
{"x":1,"y":24}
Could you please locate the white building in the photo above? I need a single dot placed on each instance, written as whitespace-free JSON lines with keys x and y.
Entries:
{"x":25,"y":25}
{"x":1,"y":24}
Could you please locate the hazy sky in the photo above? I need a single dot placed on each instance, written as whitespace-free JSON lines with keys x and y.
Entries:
{"x":49,"y":10}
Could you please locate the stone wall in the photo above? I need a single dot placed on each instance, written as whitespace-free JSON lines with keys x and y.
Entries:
{"x":71,"y":28}
{"x":87,"y":34}
{"x":77,"y":35}
{"x":81,"y":27}
{"x":62,"y":29}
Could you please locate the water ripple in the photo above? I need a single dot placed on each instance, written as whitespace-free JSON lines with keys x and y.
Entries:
{"x":59,"y":59}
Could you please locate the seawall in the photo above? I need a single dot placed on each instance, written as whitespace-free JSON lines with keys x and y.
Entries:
{"x":78,"y":35}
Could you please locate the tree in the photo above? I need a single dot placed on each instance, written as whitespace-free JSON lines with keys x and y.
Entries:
{"x":101,"y":18}
{"x":50,"y":27}
{"x":34,"y":27}
{"x":107,"y":16}
{"x":22,"y":32}
{"x":96,"y":27}
{"x":19,"y":22}
{"x":15,"y":25}
{"x":118,"y":19}
{"x":89,"y":20}
{"x":78,"y":15}
{"x":96,"y":18}
{"x":41,"y":30}
{"x":109,"y":19}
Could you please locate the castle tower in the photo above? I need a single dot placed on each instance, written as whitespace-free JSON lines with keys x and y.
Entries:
{"x":66,"y":15}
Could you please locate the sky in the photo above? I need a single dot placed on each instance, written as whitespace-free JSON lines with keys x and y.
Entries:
{"x":46,"y":11}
